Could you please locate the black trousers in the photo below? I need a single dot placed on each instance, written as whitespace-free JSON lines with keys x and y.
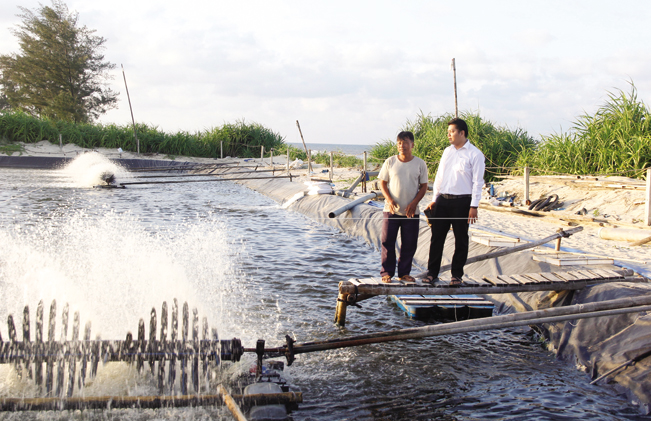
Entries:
{"x":457,"y":210}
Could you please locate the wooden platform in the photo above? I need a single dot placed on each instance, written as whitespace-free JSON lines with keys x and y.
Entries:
{"x":356,"y":289}
{"x":563,"y":259}
{"x":493,"y":241}
{"x":451,"y":307}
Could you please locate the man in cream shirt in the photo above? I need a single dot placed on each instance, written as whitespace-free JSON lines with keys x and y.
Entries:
{"x":403,"y":181}
{"x":457,"y":190}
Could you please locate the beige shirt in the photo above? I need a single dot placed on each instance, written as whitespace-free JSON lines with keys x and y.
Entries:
{"x":403,"y":181}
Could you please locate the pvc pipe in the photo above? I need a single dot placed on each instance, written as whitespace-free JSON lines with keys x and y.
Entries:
{"x":352,"y":204}
{"x":623,"y":234}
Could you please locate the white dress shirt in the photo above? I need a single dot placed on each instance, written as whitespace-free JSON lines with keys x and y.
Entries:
{"x":461,"y":171}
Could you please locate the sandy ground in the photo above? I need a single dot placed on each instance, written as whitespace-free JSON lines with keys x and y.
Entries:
{"x":625,"y":205}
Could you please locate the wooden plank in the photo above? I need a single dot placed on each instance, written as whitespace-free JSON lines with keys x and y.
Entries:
{"x":611,"y":273}
{"x":354,"y":281}
{"x":578,"y":275}
{"x":566,"y":276}
{"x":495,"y":281}
{"x":468,"y":280}
{"x":537,"y":278}
{"x":589,"y":275}
{"x":479,"y":281}
{"x":509,"y":280}
{"x":521,"y":279}
{"x":606,"y":274}
{"x":552,"y":278}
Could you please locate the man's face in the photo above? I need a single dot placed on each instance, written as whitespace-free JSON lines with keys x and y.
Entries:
{"x":456,"y":137}
{"x":405,"y":146}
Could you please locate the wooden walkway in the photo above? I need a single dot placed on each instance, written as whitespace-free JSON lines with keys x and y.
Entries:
{"x":355,"y":290}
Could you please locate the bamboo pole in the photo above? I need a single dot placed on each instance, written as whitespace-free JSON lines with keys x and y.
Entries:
{"x":301,"y":133}
{"x":331,"y":165}
{"x":113,"y":402}
{"x":288,"y":159}
{"x":133,"y":121}
{"x":309,"y":162}
{"x":456,"y":105}
{"x":550,"y":315}
{"x":230,"y":403}
{"x":561,"y":233}
{"x":261,"y":153}
{"x":647,"y":209}
{"x":221,"y":149}
{"x":527,"y":172}
{"x":352,"y":204}
{"x":365,"y":175}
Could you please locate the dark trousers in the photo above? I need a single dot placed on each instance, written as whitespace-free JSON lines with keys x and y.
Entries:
{"x":409,"y":242}
{"x":449,"y":208}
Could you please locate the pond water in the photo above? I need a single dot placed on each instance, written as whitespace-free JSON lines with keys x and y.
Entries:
{"x":256,"y":271}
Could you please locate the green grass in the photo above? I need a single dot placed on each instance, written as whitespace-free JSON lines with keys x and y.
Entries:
{"x":11,"y":148}
{"x":501,"y":146}
{"x":239,"y":139}
{"x":616,"y":139}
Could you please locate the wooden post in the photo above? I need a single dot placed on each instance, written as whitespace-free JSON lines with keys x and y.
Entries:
{"x":288,"y":158}
{"x":261,"y":152}
{"x":456,"y":105}
{"x":647,"y":213}
{"x":60,"y":143}
{"x":527,"y":171}
{"x":309,"y":162}
{"x":364,"y":174}
{"x":221,"y":148}
{"x":340,"y":312}
{"x":331,"y":165}
{"x":558,"y":244}
{"x":271,"y":160}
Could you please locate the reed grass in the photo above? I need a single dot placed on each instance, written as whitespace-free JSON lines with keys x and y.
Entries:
{"x":616,"y":139}
{"x":501,"y":146}
{"x":239,"y":139}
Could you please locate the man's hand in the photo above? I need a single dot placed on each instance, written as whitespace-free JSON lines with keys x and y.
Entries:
{"x":431,"y":205}
{"x":472,"y":216}
{"x":411,"y":209}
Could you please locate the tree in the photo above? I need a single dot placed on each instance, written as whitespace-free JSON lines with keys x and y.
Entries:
{"x":60,"y":72}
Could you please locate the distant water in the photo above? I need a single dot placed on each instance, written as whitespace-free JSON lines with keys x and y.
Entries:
{"x":355,"y":150}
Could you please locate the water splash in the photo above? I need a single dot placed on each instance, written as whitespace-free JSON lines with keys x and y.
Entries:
{"x":86,"y":170}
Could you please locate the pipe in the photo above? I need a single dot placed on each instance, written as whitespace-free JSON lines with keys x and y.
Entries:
{"x":200,"y":181}
{"x":561,"y":233}
{"x":113,"y":402}
{"x":551,"y":315}
{"x":622,"y":234}
{"x":200,"y":175}
{"x":352,"y":204}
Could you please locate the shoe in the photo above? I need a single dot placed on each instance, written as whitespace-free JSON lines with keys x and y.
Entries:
{"x":407,"y":278}
{"x":386,"y":279}
{"x":429,"y":279}
{"x":455,"y":282}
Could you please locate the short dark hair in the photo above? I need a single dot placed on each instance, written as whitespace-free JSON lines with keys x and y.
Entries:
{"x":460,"y":125}
{"x":406,"y":136}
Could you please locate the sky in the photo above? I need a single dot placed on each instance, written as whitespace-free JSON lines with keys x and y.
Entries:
{"x":354,"y":72}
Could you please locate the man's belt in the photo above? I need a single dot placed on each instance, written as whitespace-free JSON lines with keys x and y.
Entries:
{"x":455,"y":196}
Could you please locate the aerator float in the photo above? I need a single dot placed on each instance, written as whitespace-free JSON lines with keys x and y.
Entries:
{"x":189,"y":357}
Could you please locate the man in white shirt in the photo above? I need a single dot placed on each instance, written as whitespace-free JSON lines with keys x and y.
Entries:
{"x":457,"y":190}
{"x":403,"y":181}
